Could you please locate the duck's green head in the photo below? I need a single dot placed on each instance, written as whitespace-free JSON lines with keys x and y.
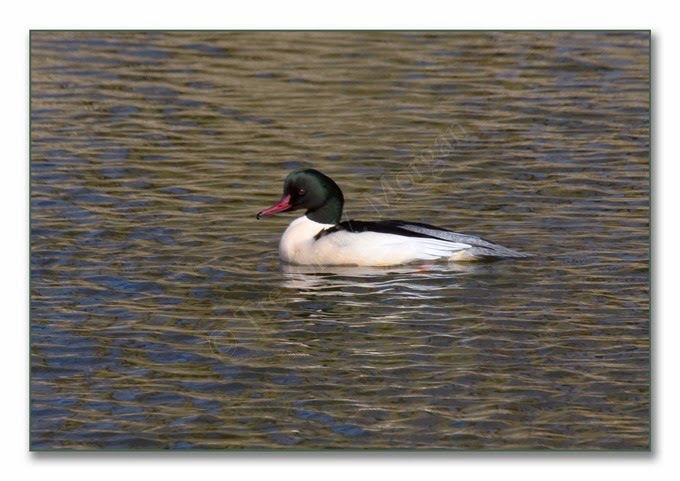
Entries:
{"x":310,"y":189}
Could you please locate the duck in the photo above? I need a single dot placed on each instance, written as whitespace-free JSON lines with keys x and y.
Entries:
{"x":319,"y":238}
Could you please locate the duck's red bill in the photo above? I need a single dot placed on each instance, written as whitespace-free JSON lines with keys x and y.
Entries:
{"x":281,"y":206}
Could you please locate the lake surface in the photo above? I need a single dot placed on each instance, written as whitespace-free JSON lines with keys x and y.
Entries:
{"x":162,"y":318}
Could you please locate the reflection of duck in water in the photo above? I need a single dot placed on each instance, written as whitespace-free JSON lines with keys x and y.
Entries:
{"x":336,"y":280}
{"x":319,"y":238}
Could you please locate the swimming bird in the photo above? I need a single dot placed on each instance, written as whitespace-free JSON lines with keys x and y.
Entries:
{"x":319,"y":238}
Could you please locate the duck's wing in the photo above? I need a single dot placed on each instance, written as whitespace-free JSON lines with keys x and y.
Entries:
{"x":478,"y":247}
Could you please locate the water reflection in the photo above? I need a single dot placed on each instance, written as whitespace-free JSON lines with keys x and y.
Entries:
{"x":336,"y":280}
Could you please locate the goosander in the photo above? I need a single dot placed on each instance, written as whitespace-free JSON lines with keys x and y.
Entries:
{"x":319,"y":238}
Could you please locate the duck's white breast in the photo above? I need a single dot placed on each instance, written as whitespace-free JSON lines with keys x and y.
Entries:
{"x":298,"y":239}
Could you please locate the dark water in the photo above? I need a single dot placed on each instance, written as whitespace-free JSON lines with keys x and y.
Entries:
{"x":162,"y":318}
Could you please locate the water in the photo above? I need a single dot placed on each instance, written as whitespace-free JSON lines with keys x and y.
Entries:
{"x":161,"y":317}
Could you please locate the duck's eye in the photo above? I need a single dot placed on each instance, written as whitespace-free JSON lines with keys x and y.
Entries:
{"x":301,"y":192}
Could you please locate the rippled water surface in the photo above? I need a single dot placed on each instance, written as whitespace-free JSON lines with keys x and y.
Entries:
{"x":162,"y":318}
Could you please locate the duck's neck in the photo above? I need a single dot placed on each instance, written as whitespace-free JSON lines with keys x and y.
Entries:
{"x":331,"y":211}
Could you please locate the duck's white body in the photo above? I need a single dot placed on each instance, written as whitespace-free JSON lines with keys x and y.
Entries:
{"x":300,"y":245}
